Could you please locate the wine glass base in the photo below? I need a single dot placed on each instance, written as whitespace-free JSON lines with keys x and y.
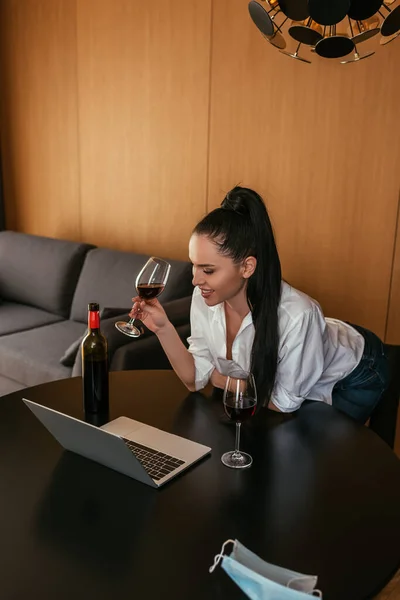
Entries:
{"x":127,"y":329}
{"x":236,"y":460}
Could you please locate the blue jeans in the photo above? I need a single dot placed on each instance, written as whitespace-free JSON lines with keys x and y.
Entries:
{"x":359,"y":393}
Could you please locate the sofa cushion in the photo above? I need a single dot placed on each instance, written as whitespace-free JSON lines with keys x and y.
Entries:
{"x":20,"y":317}
{"x":39,"y":271}
{"x":69,"y":356}
{"x":108,"y":277}
{"x":33,"y":357}
{"x":8,"y":386}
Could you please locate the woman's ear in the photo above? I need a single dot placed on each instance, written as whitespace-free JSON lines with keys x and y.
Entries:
{"x":249,"y":266}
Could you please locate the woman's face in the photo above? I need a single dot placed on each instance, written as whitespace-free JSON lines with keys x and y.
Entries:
{"x":218,"y":277}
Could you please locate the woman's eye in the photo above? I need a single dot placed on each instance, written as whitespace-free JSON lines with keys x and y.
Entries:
{"x":208,"y":272}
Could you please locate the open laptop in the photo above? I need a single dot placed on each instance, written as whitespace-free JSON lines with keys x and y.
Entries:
{"x":140,"y":451}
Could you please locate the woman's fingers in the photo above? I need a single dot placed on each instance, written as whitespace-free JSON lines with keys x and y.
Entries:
{"x":136,"y":309}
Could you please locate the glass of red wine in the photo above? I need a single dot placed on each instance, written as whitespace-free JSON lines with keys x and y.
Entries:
{"x":240,"y":401}
{"x":149,"y":283}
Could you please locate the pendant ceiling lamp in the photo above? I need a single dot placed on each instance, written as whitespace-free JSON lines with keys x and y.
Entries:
{"x":334,"y":29}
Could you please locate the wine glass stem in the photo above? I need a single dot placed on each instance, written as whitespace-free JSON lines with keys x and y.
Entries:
{"x":133,"y":319}
{"x":237,"y":441}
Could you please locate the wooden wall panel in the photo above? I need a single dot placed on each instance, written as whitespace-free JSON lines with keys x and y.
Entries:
{"x":143,"y":105}
{"x":39,"y":116}
{"x":321,"y":143}
{"x":393,"y":320}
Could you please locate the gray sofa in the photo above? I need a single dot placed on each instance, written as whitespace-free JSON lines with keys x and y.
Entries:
{"x":45,"y":286}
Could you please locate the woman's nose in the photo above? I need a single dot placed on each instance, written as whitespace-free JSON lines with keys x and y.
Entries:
{"x":197,"y":280}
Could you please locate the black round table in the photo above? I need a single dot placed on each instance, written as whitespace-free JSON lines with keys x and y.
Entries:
{"x":322,"y":497}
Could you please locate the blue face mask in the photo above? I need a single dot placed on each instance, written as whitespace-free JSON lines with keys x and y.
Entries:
{"x":261,"y":580}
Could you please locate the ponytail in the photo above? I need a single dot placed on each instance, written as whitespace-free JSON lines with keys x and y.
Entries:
{"x":241,"y":228}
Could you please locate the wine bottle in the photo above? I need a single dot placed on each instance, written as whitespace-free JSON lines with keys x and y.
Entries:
{"x":94,"y":365}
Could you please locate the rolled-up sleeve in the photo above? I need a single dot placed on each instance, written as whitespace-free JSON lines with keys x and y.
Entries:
{"x":301,"y":361}
{"x":198,"y":345}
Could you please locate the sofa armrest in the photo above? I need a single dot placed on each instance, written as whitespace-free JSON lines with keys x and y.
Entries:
{"x":145,"y":353}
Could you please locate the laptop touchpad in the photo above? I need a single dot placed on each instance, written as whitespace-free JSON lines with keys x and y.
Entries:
{"x":122,"y":426}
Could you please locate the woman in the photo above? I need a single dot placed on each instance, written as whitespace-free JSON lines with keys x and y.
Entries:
{"x":243,"y":312}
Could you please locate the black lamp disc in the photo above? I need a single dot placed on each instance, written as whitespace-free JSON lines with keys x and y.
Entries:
{"x":261,"y":18}
{"x":336,"y":46}
{"x":297,"y":10}
{"x":384,"y":41}
{"x":391,"y":24}
{"x":364,"y":9}
{"x":328,"y":12}
{"x":365,"y":35}
{"x":305,"y":35}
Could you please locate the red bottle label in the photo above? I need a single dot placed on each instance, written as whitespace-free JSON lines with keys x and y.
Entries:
{"x":94,"y":319}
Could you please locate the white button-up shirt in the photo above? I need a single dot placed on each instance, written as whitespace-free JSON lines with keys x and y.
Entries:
{"x":314,"y":352}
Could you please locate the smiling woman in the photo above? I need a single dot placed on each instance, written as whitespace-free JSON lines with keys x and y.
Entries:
{"x":239,"y":238}
{"x":243,"y":314}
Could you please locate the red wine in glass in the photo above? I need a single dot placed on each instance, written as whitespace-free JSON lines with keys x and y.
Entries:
{"x":242,"y":411}
{"x":148,"y":291}
{"x":240,"y":401}
{"x":149,"y":284}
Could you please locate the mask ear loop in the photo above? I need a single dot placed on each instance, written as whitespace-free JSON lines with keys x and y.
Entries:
{"x":219,"y":557}
{"x":317,"y":593}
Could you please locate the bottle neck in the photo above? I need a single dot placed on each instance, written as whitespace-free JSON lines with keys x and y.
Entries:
{"x":94,"y":320}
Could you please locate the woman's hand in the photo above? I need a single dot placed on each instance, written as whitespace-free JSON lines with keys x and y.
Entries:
{"x":217,"y":379}
{"x":150,"y":312}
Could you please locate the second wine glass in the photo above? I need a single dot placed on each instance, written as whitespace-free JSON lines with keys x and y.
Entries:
{"x":149,"y":284}
{"x":240,"y":401}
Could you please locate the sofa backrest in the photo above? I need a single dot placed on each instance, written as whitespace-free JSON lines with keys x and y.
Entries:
{"x":108,"y":277}
{"x":40,"y":271}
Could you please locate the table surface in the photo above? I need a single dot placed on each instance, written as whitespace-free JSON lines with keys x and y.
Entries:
{"x":322,"y":497}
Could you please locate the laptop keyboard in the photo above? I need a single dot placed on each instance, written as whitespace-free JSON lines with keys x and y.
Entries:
{"x":156,"y":463}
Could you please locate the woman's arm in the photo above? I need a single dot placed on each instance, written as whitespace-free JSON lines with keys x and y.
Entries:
{"x":192,"y":366}
{"x":219,"y":381}
{"x":180,"y":358}
{"x":154,"y":316}
{"x":272,"y":406}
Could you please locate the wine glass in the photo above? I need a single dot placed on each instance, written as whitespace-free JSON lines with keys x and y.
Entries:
{"x":240,"y":401}
{"x":149,"y":284}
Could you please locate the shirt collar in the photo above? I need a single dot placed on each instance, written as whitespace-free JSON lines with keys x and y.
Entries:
{"x":217,"y":312}
{"x":248,"y":320}
{"x":219,"y":315}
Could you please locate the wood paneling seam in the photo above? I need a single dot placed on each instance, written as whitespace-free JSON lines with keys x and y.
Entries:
{"x":392,"y":270}
{"x":209,"y":106}
{"x":78,"y":125}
